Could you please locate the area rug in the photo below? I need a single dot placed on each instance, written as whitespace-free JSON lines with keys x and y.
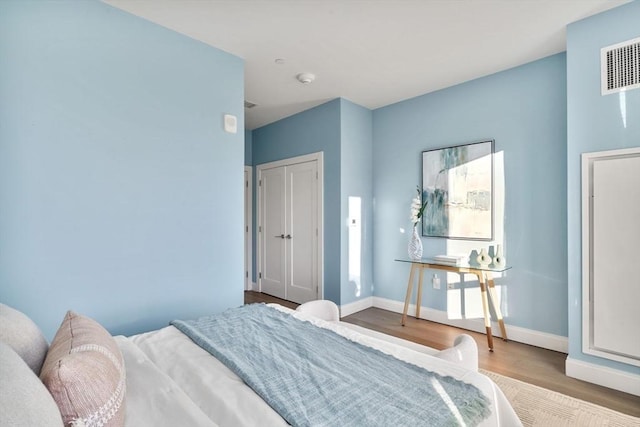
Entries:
{"x":537,"y":406}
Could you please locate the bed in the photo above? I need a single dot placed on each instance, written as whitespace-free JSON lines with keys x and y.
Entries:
{"x":163,"y":378}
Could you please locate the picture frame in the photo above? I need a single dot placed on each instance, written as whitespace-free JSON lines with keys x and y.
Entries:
{"x":457,"y":184}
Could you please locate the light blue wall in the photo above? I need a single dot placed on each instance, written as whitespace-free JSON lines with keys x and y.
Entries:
{"x":311,"y":131}
{"x":524,"y":110}
{"x":117,"y":194}
{"x":595,"y":123}
{"x":356,"y":181}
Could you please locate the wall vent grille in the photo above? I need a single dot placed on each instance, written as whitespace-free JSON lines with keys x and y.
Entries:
{"x":620,"y":65}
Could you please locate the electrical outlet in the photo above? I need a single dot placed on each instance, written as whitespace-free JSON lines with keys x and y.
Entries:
{"x":436,"y":281}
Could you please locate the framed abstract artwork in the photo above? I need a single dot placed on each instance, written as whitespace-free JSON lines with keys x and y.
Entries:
{"x":457,"y":184}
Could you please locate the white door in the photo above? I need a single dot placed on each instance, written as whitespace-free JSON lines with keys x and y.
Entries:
{"x":248,"y":221}
{"x":290,"y":228}
{"x":301,"y":225}
{"x":272,"y":230}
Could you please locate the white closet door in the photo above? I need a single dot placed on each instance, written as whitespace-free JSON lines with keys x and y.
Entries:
{"x":290,"y":228}
{"x":273,"y":220}
{"x":610,"y":236}
{"x":248,"y":219}
{"x":302,"y":224}
{"x":616,"y":232}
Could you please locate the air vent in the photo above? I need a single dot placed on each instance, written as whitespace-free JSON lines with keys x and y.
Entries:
{"x":248,"y":104}
{"x":620,"y":65}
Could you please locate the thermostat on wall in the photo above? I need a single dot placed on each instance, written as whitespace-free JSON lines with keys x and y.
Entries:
{"x":230,"y":123}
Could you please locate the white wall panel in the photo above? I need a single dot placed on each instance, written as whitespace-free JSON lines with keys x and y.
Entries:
{"x":611,"y":274}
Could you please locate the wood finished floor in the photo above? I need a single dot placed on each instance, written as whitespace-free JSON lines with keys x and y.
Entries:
{"x":534,"y":365}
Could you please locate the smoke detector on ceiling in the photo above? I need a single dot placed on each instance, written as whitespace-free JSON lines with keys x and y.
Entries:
{"x":306,"y":78}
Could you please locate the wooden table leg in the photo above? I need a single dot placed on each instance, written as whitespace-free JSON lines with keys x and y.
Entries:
{"x":496,"y":305}
{"x":485,"y":308}
{"x":409,"y":291}
{"x":419,"y":301}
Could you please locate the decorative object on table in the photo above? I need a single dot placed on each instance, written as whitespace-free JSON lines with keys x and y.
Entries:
{"x":449,"y":259}
{"x":458,"y":184}
{"x":483,"y":258}
{"x":499,"y":259}
{"x":472,"y":259}
{"x":415,"y":244}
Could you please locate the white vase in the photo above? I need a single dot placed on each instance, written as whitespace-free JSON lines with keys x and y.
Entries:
{"x":499,"y":259}
{"x":415,"y":245}
{"x":483,"y":259}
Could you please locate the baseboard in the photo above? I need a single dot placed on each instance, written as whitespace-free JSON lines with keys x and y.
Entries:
{"x":604,"y":376}
{"x":515,"y":333}
{"x":253,"y":286}
{"x":356,"y":306}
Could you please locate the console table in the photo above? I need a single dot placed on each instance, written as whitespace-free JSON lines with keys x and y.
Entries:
{"x":483,"y":273}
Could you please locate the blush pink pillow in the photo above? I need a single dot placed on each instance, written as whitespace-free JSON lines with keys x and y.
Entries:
{"x":84,"y":372}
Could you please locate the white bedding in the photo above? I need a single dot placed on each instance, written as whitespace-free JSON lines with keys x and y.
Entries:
{"x":173,"y":382}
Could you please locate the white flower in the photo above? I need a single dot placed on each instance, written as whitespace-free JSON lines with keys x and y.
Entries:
{"x":417,"y":208}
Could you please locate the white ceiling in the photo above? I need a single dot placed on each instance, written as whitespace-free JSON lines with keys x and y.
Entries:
{"x":371,"y":52}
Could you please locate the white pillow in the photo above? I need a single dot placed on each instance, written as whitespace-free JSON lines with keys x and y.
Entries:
{"x":23,"y":335}
{"x":24,"y":400}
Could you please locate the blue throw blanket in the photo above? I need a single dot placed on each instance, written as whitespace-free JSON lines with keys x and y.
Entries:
{"x":315,"y":377}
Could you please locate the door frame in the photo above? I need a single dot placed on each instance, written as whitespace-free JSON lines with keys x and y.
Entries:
{"x":319,"y":158}
{"x":248,"y":223}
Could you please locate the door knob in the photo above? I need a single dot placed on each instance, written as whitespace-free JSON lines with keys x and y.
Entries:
{"x":281,"y":236}
{"x":288,"y":236}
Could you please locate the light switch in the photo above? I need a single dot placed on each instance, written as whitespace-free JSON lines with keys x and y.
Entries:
{"x":230,"y":123}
